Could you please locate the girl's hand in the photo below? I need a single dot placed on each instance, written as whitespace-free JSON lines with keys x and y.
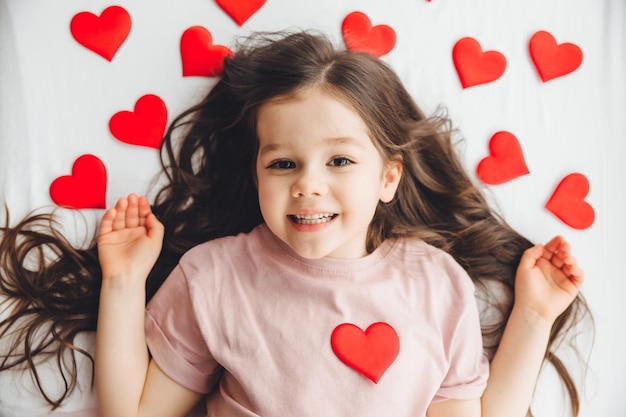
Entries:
{"x":548,"y":279}
{"x":129,"y":239}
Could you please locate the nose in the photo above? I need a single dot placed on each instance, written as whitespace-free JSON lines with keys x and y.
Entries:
{"x":309,"y":184}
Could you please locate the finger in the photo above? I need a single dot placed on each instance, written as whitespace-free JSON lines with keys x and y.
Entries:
{"x":559,"y":252}
{"x":563,"y":250}
{"x":154,"y":227}
{"x":119,"y":222}
{"x":106,"y":224}
{"x":556,"y":260}
{"x":570,"y":260}
{"x":554,"y":244}
{"x":574,"y":274}
{"x":132,"y":211}
{"x":144,"y":210}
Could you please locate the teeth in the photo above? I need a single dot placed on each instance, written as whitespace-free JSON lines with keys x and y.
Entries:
{"x":313,"y":218}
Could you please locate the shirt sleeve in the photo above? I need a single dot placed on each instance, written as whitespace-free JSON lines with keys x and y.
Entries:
{"x":174,"y":338}
{"x":468,"y":370}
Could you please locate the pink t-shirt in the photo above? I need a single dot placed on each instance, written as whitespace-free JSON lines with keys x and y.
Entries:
{"x":248,"y":320}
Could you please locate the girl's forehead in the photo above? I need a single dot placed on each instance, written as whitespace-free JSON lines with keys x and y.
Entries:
{"x":316,"y":113}
{"x":306,"y":105}
{"x":317,"y":90}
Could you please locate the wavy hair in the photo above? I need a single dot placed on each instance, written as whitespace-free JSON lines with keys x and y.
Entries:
{"x":209,"y":152}
{"x":49,"y":294}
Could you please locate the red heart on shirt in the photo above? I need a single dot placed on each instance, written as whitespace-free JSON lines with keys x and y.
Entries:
{"x":143,"y":127}
{"x":474,"y":66}
{"x":505,"y":162}
{"x":568,"y":202}
{"x":553,"y":60}
{"x":370,"y":352}
{"x":359,"y":35}
{"x":199,"y":56}
{"x":102,"y":34}
{"x":85,"y":188}
{"x":240,"y":10}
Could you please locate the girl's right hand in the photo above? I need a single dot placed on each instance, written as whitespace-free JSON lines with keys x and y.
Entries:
{"x":130,"y":238}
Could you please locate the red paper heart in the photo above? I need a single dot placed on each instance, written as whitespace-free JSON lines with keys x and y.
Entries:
{"x":143,"y":127}
{"x":359,"y":35}
{"x":199,"y":56}
{"x":568,"y":202}
{"x":103,"y":35}
{"x":474,"y":66}
{"x":552,"y":60}
{"x":505,"y":162}
{"x":240,"y":10}
{"x":370,"y":352}
{"x":85,"y":188}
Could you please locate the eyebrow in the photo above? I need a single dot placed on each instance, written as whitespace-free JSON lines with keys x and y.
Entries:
{"x":329,"y":142}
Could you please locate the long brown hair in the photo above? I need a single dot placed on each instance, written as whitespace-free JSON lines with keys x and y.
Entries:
{"x":50,"y":293}
{"x":209,"y":151}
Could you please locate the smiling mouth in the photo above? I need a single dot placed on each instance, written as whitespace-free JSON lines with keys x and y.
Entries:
{"x":312,"y":218}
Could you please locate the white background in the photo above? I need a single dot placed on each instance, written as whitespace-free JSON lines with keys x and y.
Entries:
{"x":56,"y":98}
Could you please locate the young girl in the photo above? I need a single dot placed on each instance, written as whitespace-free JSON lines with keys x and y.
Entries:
{"x":341,"y":237}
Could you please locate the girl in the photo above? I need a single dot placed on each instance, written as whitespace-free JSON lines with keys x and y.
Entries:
{"x":340,"y":229}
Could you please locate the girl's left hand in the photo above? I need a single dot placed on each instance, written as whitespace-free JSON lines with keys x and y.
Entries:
{"x":548,"y":279}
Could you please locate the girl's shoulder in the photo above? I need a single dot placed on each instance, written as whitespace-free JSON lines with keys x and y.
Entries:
{"x":418,"y":255}
{"x":239,"y":252}
{"x":412,"y":246}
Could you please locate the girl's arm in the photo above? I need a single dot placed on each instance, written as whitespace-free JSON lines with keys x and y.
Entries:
{"x":127,"y":382}
{"x":547,"y":281}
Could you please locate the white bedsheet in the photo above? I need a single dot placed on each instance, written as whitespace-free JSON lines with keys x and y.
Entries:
{"x":56,"y":99}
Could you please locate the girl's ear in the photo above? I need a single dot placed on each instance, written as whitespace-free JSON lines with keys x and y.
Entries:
{"x":390,"y":180}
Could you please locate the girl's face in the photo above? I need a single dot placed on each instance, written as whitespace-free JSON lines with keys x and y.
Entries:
{"x":319,"y":175}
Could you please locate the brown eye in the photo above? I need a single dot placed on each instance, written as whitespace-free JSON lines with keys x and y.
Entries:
{"x":283,"y":164}
{"x":340,"y":162}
